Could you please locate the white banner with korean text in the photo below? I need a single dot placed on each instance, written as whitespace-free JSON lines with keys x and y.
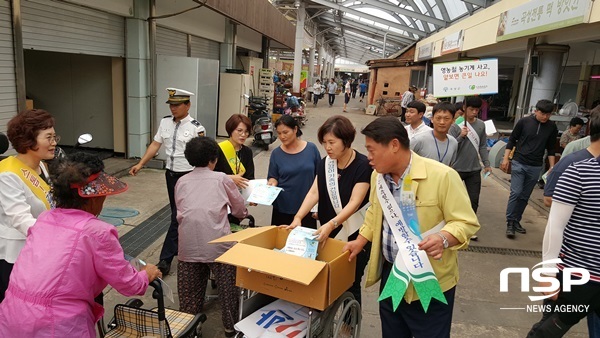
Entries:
{"x":425,"y":52}
{"x":463,"y":78}
{"x":452,"y":43}
{"x":538,"y":16}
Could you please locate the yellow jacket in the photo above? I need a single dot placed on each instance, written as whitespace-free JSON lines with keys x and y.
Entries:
{"x":440,"y":195}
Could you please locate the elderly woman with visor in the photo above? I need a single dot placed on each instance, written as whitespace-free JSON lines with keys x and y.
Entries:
{"x":69,"y":258}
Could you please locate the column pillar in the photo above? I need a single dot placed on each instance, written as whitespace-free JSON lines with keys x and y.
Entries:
{"x":228,"y":47}
{"x":311,"y":66}
{"x":298,"y":47}
{"x":266,"y":42}
{"x":139,"y":72}
{"x":550,"y":65}
{"x":332,"y":66}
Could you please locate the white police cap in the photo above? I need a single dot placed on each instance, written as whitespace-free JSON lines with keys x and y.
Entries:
{"x":177,"y":95}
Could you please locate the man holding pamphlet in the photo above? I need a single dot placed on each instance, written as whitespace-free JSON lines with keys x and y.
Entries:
{"x":420,"y":215}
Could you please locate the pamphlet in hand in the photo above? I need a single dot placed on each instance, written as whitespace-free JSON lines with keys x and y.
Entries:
{"x":251,"y":184}
{"x":261,"y":193}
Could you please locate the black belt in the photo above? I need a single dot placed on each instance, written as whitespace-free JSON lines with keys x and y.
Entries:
{"x":176,"y":173}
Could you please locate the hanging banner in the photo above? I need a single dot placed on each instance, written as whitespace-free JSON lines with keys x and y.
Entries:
{"x":463,"y":78}
{"x":425,"y":52}
{"x":541,"y":16}
{"x":452,"y":43}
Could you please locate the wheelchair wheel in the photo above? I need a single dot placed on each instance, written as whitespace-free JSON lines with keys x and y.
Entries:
{"x":345,"y":318}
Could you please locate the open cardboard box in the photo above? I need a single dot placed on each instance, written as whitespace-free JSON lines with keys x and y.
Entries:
{"x":313,"y":283}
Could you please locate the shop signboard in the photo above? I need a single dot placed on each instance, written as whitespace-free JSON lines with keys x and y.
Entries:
{"x":463,"y":78}
{"x":452,"y":43}
{"x":425,"y":52}
{"x":538,"y":16}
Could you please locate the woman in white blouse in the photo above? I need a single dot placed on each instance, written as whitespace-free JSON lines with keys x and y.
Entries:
{"x":24,"y":186}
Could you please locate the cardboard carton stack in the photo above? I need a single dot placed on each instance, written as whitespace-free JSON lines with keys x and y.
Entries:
{"x":313,"y":283}
{"x":266,"y":88}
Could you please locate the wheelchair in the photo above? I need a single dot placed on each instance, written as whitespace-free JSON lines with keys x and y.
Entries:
{"x":340,"y":319}
{"x":131,"y":320}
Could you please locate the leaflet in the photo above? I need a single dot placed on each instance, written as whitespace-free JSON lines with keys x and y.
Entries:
{"x":262,"y":193}
{"x":301,"y":242}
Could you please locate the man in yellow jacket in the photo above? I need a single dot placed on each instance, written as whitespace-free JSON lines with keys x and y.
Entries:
{"x":416,"y":258}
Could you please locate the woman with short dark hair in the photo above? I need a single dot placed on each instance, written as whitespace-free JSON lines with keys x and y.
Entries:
{"x":24,"y":183}
{"x":292,"y":167}
{"x":235,"y":158}
{"x":203,"y":197}
{"x":340,"y":189}
{"x":69,"y":258}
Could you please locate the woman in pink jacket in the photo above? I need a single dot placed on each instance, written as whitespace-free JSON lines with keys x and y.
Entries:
{"x":69,"y":258}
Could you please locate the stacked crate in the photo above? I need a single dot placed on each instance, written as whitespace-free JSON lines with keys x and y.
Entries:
{"x":266,"y":88}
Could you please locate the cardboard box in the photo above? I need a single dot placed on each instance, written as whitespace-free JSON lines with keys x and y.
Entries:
{"x":313,"y":283}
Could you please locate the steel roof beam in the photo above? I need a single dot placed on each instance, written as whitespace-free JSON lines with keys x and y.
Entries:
{"x":359,"y":49}
{"x":353,"y":34}
{"x":480,"y":3}
{"x":369,"y":29}
{"x":442,"y":7}
{"x":412,"y":22}
{"x":371,"y":17}
{"x":406,"y":12}
{"x":362,"y":44}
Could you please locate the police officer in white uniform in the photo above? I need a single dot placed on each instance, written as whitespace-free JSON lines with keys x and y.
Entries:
{"x":174,"y":132}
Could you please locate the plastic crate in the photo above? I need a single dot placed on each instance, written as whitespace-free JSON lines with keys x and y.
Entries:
{"x":265,"y":72}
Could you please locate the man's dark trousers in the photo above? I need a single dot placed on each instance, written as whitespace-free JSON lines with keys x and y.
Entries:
{"x":169,"y":249}
{"x":472,"y":181}
{"x":410,"y":320}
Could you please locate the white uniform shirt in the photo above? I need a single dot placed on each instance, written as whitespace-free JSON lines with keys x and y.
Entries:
{"x":174,"y":136}
{"x":317,"y":89}
{"x":19,"y":209}
{"x":416,"y":131}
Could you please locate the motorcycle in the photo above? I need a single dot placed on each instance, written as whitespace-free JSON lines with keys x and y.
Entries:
{"x":262,"y":126}
{"x":298,"y":113}
{"x":58,"y":151}
{"x":81,"y":140}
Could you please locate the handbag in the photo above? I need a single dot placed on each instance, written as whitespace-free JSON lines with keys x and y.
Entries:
{"x":510,"y":157}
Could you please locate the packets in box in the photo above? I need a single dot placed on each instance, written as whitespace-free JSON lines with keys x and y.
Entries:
{"x":313,"y":283}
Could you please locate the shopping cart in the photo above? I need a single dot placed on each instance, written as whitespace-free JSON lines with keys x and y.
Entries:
{"x":341,"y":319}
{"x":131,"y":320}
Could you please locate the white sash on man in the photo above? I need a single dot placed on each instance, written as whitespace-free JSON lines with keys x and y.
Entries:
{"x":473,"y":137}
{"x":352,"y":224}
{"x":410,"y":264}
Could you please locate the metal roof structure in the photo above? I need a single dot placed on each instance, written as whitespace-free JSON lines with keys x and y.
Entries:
{"x":357,"y":29}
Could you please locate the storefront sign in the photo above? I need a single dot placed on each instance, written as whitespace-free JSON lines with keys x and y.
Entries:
{"x":452,"y":43}
{"x":462,"y":78}
{"x":542,"y":16}
{"x":425,"y":52}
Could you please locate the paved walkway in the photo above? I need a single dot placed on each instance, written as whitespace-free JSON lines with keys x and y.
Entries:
{"x":477,"y":311}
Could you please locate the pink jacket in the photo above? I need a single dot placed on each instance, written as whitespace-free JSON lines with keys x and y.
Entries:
{"x":202,"y":198}
{"x":68,"y":259}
